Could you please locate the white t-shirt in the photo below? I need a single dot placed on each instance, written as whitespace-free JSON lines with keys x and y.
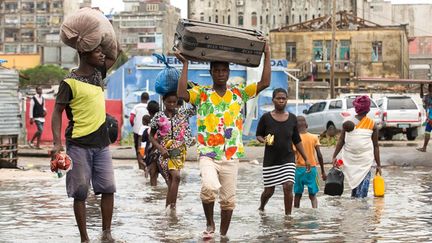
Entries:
{"x":139,"y":110}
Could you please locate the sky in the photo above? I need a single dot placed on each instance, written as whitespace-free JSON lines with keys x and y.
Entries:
{"x":106,"y":6}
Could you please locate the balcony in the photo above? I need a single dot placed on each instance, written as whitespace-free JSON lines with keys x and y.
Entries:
{"x":342,"y":68}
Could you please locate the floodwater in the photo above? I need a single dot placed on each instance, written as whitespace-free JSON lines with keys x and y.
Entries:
{"x":39,"y":211}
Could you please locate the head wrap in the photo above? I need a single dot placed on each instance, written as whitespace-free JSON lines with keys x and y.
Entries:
{"x":362,"y":104}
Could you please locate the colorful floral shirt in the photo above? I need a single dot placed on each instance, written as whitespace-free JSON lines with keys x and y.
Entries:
{"x":180,"y":130}
{"x":219,"y":120}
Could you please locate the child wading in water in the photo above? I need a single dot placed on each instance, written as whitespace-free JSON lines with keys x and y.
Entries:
{"x":279,"y":160}
{"x":172,"y":129}
{"x":302,"y":177}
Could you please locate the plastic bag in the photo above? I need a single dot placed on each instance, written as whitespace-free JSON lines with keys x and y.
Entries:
{"x":61,"y":163}
{"x":167,"y":79}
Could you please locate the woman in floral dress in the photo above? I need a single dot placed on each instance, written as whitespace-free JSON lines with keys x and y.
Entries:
{"x":171,"y":127}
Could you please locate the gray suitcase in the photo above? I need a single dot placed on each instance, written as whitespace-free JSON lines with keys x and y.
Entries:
{"x":203,"y":41}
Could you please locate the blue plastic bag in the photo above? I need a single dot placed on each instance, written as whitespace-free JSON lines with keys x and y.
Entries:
{"x":167,"y":79}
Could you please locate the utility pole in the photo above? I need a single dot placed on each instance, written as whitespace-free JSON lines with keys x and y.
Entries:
{"x":332,"y":55}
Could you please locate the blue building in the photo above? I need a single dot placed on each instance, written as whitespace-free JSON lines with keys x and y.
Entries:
{"x":139,"y":74}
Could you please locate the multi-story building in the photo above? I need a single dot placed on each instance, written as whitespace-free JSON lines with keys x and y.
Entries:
{"x":31,"y":27}
{"x":146,"y":26}
{"x":416,"y":16}
{"x":362,"y":49}
{"x":263,"y":15}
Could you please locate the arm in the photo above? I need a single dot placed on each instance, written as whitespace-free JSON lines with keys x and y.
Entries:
{"x":300,"y":149}
{"x":260,"y":131}
{"x":31,"y":110}
{"x":266,"y":75}
{"x":56,"y":122}
{"x":321,"y":162}
{"x":182,"y":83}
{"x":132,"y":118}
{"x":157,"y":145}
{"x":376,"y":150}
{"x":339,"y":145}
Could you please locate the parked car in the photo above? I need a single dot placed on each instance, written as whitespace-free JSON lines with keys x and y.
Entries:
{"x":324,"y":114}
{"x":400,"y":114}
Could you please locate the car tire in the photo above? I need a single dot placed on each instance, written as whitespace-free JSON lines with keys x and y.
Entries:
{"x":388,"y":136}
{"x":411,"y":134}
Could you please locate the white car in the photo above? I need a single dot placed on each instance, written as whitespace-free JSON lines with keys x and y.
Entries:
{"x":400,"y":114}
{"x":324,"y":114}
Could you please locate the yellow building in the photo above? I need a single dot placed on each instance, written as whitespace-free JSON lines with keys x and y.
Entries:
{"x":363,"y":49}
{"x":21,"y":61}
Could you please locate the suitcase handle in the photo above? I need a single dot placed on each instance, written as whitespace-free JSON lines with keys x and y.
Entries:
{"x":189,"y":21}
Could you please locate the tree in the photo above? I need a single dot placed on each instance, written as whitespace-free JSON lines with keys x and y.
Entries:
{"x":42,"y":75}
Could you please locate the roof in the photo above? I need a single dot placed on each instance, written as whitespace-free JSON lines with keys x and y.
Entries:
{"x":344,"y":21}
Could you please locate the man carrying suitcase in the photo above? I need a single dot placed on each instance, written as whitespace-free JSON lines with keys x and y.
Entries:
{"x":220,"y":145}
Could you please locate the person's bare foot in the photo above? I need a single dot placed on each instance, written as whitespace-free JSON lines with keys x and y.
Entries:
{"x":107,"y":237}
{"x":421,"y":149}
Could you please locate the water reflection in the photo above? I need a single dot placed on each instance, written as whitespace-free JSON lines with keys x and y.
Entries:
{"x":39,"y":211}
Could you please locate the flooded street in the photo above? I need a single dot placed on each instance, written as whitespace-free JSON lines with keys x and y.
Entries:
{"x":38,"y":210}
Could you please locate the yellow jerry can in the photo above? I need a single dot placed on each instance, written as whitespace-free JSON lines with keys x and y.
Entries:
{"x":378,"y":185}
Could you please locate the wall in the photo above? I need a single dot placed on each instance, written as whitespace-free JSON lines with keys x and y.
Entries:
{"x":21,"y":61}
{"x":395,"y":49}
{"x":113,"y":107}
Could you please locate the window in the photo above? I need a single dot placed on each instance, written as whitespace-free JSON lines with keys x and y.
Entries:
{"x":318,"y":50}
{"x":317,"y":107}
{"x":300,"y":19}
{"x":216,"y":19}
{"x":337,"y":104}
{"x":229,"y":19}
{"x":287,"y":19}
{"x":377,"y":51}
{"x":147,"y":39}
{"x":305,"y":17}
{"x":10,"y":48}
{"x":240,"y":19}
{"x":274,"y":20}
{"x":313,"y":16}
{"x":344,"y":50}
{"x":202,"y":16}
{"x":401,"y":103}
{"x":209,"y":19}
{"x":209,"y":4}
{"x":261,"y":22}
{"x":291,"y":51}
{"x":254,"y":19}
{"x":27,"y":48}
{"x":293,"y":20}
{"x":267,"y":20}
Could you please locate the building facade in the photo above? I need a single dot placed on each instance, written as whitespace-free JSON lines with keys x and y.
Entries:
{"x":31,"y":27}
{"x":362,"y":49}
{"x":417,"y":17}
{"x":263,"y":15}
{"x":145,"y":27}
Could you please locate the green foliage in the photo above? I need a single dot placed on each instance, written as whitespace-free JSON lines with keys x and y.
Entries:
{"x":254,"y":143}
{"x":42,"y":75}
{"x":128,"y":140}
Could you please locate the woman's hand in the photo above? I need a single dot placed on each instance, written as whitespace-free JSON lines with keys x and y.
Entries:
{"x":180,"y":57}
{"x":164,"y":152}
{"x":378,"y":170}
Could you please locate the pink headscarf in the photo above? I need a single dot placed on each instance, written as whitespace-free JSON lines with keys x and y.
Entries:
{"x":362,"y":104}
